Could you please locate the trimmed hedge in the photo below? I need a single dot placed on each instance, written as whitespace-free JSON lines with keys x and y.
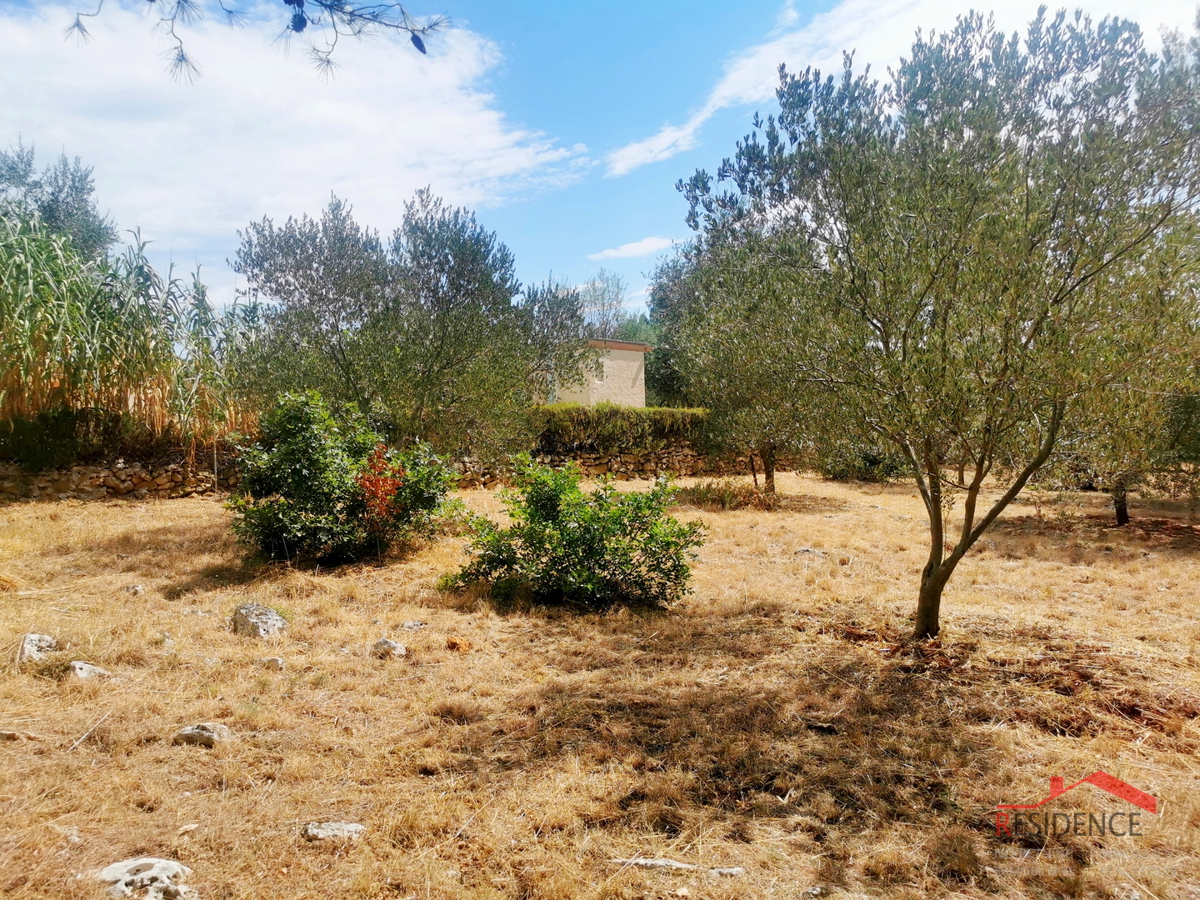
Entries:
{"x":608,"y":428}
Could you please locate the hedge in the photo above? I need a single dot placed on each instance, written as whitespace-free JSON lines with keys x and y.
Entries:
{"x":608,"y":428}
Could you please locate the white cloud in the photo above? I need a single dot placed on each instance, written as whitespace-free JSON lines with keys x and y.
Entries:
{"x":879,"y":33}
{"x":260,"y":133}
{"x":787,"y":16}
{"x":644,"y":247}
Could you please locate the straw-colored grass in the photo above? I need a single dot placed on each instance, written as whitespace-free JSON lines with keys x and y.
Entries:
{"x":774,"y":721}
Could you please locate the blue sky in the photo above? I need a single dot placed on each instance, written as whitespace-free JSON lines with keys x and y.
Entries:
{"x":564,"y":125}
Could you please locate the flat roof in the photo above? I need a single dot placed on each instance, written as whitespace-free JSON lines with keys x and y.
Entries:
{"x":621,"y":345}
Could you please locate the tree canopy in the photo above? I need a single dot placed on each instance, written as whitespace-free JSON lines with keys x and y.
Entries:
{"x":60,"y":196}
{"x":977,"y":248}
{"x":428,"y":333}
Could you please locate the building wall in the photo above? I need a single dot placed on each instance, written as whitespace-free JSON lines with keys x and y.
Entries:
{"x":622,"y":380}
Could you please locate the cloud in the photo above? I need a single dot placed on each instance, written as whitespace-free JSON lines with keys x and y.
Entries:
{"x":260,"y":133}
{"x":879,"y":33}
{"x":644,"y":247}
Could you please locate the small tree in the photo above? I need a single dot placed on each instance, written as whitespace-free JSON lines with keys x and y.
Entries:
{"x":737,"y":349}
{"x":673,"y":289}
{"x":604,"y":298}
{"x":976,"y":236}
{"x":60,"y":196}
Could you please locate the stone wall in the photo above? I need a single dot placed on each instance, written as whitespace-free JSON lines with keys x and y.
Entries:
{"x":179,"y":479}
{"x":133,"y":480}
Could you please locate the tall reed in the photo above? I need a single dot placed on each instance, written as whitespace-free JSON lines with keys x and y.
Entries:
{"x":114,"y":335}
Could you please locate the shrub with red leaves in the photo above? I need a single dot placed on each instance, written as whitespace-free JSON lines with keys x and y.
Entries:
{"x":380,"y":483}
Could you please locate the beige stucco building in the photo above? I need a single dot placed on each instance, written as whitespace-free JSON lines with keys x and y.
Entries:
{"x":621,"y":378}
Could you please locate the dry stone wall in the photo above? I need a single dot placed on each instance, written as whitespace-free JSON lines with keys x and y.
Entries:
{"x":180,"y":479}
{"x":133,"y":480}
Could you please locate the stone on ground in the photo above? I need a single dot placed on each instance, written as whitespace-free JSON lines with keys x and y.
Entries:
{"x":86,"y":671}
{"x":206,"y":734}
{"x":332,"y":831}
{"x":385,"y":648}
{"x":256,"y":620}
{"x":147,"y":877}
{"x":34,"y":647}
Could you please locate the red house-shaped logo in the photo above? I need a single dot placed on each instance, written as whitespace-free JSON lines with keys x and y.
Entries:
{"x":1102,"y":780}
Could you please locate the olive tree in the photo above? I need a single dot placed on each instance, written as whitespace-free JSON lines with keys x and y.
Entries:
{"x":604,"y":299}
{"x":428,"y":333}
{"x":739,"y":349}
{"x":60,"y":196}
{"x":977,"y":231}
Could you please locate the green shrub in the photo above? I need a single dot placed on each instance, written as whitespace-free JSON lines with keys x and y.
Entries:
{"x":608,"y":428}
{"x":727,"y":493}
{"x":593,"y":550}
{"x":325,"y":487}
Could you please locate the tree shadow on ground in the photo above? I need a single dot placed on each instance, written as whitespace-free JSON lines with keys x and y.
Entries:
{"x":716,"y":722}
{"x":1063,"y":534}
{"x":717,"y":725}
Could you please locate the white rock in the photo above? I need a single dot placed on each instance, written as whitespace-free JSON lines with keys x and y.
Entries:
{"x":34,"y":647}
{"x":330,"y":831}
{"x":274,"y":663}
{"x":148,"y":877}
{"x":256,"y":620}
{"x":206,"y":734}
{"x":385,"y":648}
{"x":85,"y":671}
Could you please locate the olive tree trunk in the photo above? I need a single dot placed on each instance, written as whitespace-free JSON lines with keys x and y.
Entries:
{"x":767,"y":455}
{"x":1120,"y":497}
{"x":944,"y":557}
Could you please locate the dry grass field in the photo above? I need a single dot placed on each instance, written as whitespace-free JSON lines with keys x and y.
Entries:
{"x":776,"y":721}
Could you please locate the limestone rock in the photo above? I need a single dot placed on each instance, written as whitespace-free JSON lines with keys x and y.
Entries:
{"x":206,"y":734}
{"x":385,"y":648}
{"x":332,"y":831}
{"x":86,"y":671}
{"x":274,"y":663}
{"x":34,"y":647}
{"x":147,"y":877}
{"x":256,"y":620}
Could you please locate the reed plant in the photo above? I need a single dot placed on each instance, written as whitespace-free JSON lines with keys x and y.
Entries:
{"x":115,"y":337}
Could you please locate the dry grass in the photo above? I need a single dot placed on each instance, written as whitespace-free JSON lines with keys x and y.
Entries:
{"x":774,"y":721}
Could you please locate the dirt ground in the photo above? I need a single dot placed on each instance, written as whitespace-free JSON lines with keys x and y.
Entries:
{"x":776,"y":721}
